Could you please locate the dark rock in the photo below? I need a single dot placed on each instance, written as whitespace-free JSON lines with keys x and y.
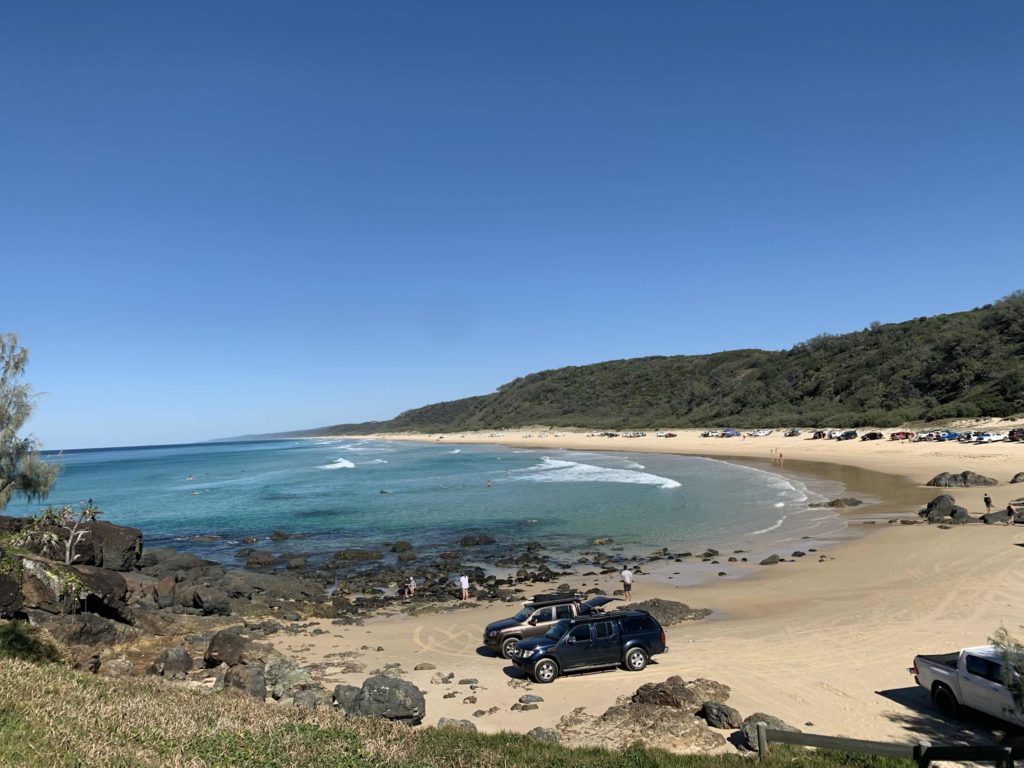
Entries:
{"x":381,"y":696}
{"x":406,"y":556}
{"x":172,"y":662}
{"x":259,"y":559}
{"x":476,"y":540}
{"x":11,"y":598}
{"x":529,"y":698}
{"x":423,"y":666}
{"x":247,"y":678}
{"x":211,"y":602}
{"x":548,"y":735}
{"x":87,"y":629}
{"x":163,"y":592}
{"x":1018,"y":478}
{"x":749,"y":727}
{"x":798,"y":553}
{"x":963,"y":480}
{"x":462,"y":725}
{"x":669,"y":612}
{"x":226,"y":647}
{"x":357,"y":554}
{"x":680,"y":694}
{"x":625,"y":724}
{"x":719,"y":715}
{"x":296,"y":563}
{"x":280,"y":535}
{"x":770,"y":560}
{"x":403,"y":546}
{"x":105,"y":545}
{"x":994,"y":518}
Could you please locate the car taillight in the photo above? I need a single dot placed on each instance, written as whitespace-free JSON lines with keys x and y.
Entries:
{"x":663,"y":640}
{"x":915,"y":666}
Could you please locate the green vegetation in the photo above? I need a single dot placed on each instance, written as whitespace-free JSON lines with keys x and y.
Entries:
{"x":20,"y":641}
{"x":21,"y":470}
{"x":967,"y":364}
{"x":52,"y":716}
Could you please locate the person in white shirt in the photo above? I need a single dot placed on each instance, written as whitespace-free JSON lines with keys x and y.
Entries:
{"x":464,"y":584}
{"x":627,"y":582}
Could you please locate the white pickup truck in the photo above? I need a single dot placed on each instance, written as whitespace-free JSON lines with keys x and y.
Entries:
{"x":971,"y":678}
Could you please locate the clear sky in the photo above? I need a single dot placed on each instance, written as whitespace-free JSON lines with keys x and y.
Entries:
{"x":220,"y":218}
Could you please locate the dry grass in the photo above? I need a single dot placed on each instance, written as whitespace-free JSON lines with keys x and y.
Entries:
{"x":53,"y":716}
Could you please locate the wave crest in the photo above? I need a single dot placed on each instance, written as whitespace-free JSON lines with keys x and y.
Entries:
{"x":558,"y":471}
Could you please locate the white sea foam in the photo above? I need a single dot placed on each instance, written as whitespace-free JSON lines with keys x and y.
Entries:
{"x":776,"y":526}
{"x":456,"y":450}
{"x":376,"y":461}
{"x":339,"y":464}
{"x":779,"y":504}
{"x":557,"y":471}
{"x":633,"y":465}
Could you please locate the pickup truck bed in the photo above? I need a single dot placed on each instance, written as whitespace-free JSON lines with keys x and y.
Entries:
{"x":946,"y":659}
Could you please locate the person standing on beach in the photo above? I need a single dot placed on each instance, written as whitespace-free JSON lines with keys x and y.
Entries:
{"x":988,"y":503}
{"x":626,"y":576}
{"x":1010,"y":514}
{"x":464,"y":585}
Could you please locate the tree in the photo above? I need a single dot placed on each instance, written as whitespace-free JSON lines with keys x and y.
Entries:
{"x":21,"y":469}
{"x":1011,"y":653}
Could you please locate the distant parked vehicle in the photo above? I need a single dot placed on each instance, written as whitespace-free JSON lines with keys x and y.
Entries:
{"x":1016,"y":436}
{"x":791,"y":433}
{"x":711,"y":433}
{"x":761,"y":432}
{"x":872,"y":436}
{"x":819,"y":434}
{"x":990,"y":437}
{"x":850,"y":434}
{"x":963,"y":437}
{"x":945,"y":437}
{"x":729,"y":433}
{"x":834,"y":434}
{"x":901,"y":436}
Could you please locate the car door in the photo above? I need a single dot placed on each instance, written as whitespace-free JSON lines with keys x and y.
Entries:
{"x":576,"y":647}
{"x":998,"y":698}
{"x":607,"y":643}
{"x":540,"y":622}
{"x":975,"y":687}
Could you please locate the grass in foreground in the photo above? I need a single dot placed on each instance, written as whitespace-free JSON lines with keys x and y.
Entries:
{"x":19,"y":641}
{"x":54,"y":716}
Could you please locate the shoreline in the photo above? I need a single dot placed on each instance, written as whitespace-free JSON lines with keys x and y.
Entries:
{"x":827,"y":642}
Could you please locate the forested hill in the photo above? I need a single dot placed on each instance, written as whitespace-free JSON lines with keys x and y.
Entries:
{"x":958,"y":365}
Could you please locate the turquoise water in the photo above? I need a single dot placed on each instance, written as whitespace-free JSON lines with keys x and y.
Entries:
{"x":330,"y":491}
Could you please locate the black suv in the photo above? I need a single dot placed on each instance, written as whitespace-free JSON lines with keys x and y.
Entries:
{"x":628,"y":638}
{"x":537,"y":617}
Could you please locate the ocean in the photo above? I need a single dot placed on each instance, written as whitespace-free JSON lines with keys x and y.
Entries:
{"x":360,"y":493}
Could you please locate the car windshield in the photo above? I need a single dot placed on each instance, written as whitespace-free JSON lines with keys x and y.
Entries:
{"x":556,"y":632}
{"x":524,"y":614}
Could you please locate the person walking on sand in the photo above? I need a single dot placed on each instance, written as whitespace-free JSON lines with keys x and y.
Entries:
{"x":464,"y":585}
{"x":626,"y":576}
{"x":988,"y":503}
{"x":410,"y":587}
{"x":1010,"y":514}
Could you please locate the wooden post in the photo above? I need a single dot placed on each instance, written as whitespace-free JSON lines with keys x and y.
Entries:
{"x":762,"y":741}
{"x":921,"y":754}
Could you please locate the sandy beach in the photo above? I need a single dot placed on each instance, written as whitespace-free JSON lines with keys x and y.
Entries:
{"x":826,"y":643}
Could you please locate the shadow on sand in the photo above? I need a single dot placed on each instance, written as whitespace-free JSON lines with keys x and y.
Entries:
{"x":924,"y":722}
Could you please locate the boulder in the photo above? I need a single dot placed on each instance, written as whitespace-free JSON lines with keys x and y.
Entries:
{"x":770,"y":560}
{"x":212,"y":602}
{"x":11,"y":598}
{"x":476,"y":540}
{"x":174,"y":662}
{"x":1018,"y":478}
{"x":680,"y":694}
{"x":114,"y":668}
{"x":996,"y":518}
{"x":549,"y":735}
{"x":247,"y":678}
{"x":163,"y":592}
{"x":116,"y":547}
{"x":260,"y":559}
{"x":226,"y":647}
{"x":963,"y":480}
{"x":382,"y":696}
{"x":103,"y":592}
{"x":749,"y":727}
{"x":719,"y":715}
{"x":669,"y":612}
{"x":403,"y":546}
{"x":462,"y":725}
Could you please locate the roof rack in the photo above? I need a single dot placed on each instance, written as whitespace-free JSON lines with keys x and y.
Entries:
{"x":555,"y":599}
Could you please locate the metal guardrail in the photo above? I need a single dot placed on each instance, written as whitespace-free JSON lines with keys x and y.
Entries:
{"x":922,"y":753}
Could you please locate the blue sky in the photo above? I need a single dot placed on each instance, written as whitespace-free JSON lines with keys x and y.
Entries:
{"x":235,"y":217}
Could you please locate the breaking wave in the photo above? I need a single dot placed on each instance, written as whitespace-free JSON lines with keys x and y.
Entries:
{"x":770,"y":528}
{"x":339,"y":464}
{"x":557,"y":471}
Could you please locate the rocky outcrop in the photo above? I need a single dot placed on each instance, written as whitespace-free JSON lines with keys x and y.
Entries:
{"x":943,"y":509}
{"x":680,"y":694}
{"x":963,"y":480}
{"x":749,"y":727}
{"x":669,"y":612}
{"x":11,"y":598}
{"x":381,"y":696}
{"x":654,"y":726}
{"x":104,"y":545}
{"x":227,"y":647}
{"x":476,"y":540}
{"x":1018,"y":478}
{"x":247,"y":678}
{"x":998,"y":518}
{"x":462,"y":725}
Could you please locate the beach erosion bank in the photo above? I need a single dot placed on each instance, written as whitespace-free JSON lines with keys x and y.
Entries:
{"x":826,"y":643}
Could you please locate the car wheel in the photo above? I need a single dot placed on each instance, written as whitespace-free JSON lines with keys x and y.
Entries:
{"x":636,"y":659}
{"x":508,"y":647}
{"x":946,"y":702}
{"x":545,"y":671}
